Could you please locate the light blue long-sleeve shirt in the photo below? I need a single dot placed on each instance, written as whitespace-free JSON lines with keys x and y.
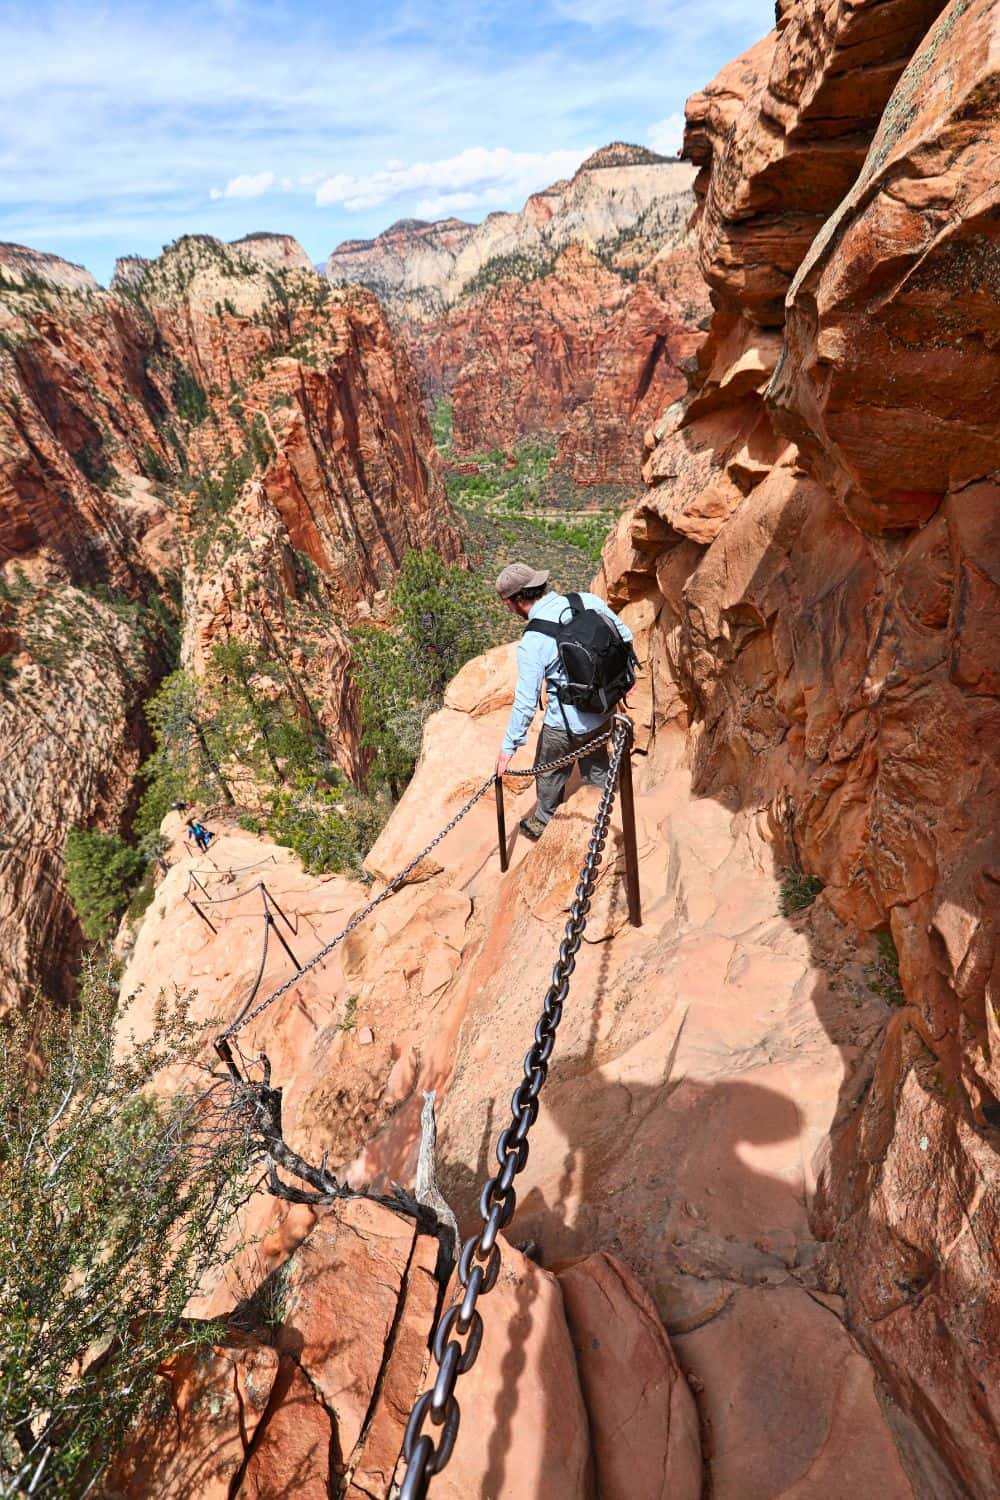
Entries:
{"x":538,"y":662}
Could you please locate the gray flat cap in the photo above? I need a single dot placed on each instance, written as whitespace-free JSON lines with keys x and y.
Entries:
{"x":518,"y":576}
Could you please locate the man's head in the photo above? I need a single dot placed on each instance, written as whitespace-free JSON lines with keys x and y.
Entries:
{"x":519,"y":586}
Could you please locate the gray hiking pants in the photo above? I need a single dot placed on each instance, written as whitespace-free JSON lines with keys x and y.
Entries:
{"x":551,"y":788}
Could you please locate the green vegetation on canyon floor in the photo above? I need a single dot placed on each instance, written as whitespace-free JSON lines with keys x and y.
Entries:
{"x":511,"y":503}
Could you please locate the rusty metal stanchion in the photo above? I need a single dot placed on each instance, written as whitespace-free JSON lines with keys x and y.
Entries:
{"x":277,"y":932}
{"x":628,"y":828}
{"x":200,"y":913}
{"x":501,"y":825}
{"x":269,"y":901}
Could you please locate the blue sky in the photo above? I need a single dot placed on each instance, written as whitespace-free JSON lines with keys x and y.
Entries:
{"x":125,"y":125}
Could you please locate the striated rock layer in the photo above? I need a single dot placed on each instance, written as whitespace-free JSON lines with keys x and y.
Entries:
{"x":422,"y":269}
{"x":219,"y":429}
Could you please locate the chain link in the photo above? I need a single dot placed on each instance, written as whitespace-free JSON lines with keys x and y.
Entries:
{"x":244,"y":1019}
{"x":479,"y":1262}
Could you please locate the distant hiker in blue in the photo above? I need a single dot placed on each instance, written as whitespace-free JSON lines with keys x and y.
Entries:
{"x":582,"y":652}
{"x":199,"y":833}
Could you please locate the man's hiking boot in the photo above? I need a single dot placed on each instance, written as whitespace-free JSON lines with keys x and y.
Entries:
{"x":532,"y":827}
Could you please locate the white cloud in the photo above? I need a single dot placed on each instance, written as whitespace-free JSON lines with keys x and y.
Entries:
{"x":249,"y":185}
{"x":122,"y":126}
{"x":666,"y":135}
{"x":476,"y":176}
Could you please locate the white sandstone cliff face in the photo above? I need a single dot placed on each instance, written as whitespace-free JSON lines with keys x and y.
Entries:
{"x":20,"y":265}
{"x":422,"y":269}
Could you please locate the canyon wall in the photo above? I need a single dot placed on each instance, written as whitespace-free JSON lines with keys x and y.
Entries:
{"x":784,"y":1122}
{"x":570,"y":320}
{"x":221,"y":440}
{"x":819,"y":541}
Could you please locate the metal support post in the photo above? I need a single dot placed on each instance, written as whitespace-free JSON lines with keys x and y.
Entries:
{"x":274,"y":928}
{"x":501,"y":824}
{"x":225,"y":1052}
{"x":200,"y":913}
{"x":270,"y":901}
{"x":628,"y":831}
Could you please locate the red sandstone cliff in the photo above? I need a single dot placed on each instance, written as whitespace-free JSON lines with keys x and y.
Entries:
{"x":819,"y":542}
{"x":128,"y":420}
{"x":798,"y":1158}
{"x":533,"y":323}
{"x":796,"y":1148}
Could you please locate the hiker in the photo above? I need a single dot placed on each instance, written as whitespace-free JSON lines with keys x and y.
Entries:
{"x":200,"y":834}
{"x":583,"y":653}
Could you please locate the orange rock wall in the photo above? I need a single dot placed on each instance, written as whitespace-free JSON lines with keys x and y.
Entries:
{"x":578,"y":353}
{"x":819,"y":545}
{"x":112,"y":406}
{"x":318,"y":1405}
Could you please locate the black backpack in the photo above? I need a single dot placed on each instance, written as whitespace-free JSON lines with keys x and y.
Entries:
{"x":598,"y":662}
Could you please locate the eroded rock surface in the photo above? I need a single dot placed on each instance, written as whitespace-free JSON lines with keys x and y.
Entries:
{"x":777,"y":1102}
{"x":700,"y":1064}
{"x":570,"y":320}
{"x":316,"y":1403}
{"x":818,"y":545}
{"x":131,"y":422}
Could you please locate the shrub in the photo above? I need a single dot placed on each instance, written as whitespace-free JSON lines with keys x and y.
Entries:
{"x":885,"y":981}
{"x":328,"y":829}
{"x":797,"y":891}
{"x":442,"y":610}
{"x":154,"y":465}
{"x":189,"y":397}
{"x":112,"y":1208}
{"x":101,"y":874}
{"x":445,"y":619}
{"x":441,"y":425}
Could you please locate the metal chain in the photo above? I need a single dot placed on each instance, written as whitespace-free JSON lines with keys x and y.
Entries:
{"x":224,"y":900}
{"x":479,"y":1263}
{"x":243,"y":1019}
{"x":566,"y":760}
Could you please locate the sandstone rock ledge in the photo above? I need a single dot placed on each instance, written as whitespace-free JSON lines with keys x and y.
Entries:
{"x":700,"y":1064}
{"x":575,"y":1391}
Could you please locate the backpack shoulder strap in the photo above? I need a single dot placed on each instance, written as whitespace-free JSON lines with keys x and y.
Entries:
{"x":544,"y":627}
{"x":576,"y":604}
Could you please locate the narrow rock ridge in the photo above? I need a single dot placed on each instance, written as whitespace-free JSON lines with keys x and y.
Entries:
{"x":786,"y":1125}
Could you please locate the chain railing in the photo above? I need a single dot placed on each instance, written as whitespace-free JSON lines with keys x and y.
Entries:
{"x":246,"y":1016}
{"x":479,"y":1262}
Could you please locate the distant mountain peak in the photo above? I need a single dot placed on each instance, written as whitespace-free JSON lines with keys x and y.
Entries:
{"x":21,"y":264}
{"x":621,"y":154}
